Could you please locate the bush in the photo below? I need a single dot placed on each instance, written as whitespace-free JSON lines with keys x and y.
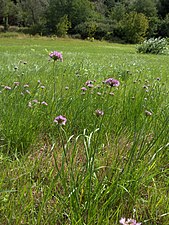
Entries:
{"x":153,"y":46}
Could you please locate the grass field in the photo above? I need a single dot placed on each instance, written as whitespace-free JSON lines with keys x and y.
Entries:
{"x":109,"y":160}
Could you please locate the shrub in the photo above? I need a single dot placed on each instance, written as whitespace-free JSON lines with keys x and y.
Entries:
{"x":153,"y":46}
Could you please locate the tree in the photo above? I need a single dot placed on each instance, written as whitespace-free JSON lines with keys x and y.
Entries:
{"x":164,"y":27}
{"x":32,"y":11}
{"x":134,"y":27}
{"x":56,"y":10}
{"x":117,"y":12}
{"x":77,"y":11}
{"x":63,"y":26}
{"x":147,"y":7}
{"x":163,"y":8}
{"x":80,"y":11}
{"x":7,"y":10}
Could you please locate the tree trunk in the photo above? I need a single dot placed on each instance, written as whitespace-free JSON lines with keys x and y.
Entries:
{"x":6,"y":24}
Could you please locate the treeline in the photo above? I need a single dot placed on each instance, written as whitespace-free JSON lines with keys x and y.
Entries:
{"x":129,"y":21}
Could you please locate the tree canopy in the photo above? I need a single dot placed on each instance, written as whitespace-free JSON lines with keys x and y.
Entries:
{"x":101,"y":19}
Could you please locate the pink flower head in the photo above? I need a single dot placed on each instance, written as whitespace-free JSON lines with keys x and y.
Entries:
{"x":44,"y":103}
{"x":84,"y":89}
{"x":90,"y":85}
{"x":60,"y":120}
{"x":112,"y":82}
{"x":88,"y":82}
{"x":56,"y":56}
{"x":123,"y":221}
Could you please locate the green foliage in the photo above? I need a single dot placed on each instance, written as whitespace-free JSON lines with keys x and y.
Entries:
{"x":154,"y":46}
{"x":63,"y":26}
{"x":118,"y":12}
{"x":134,"y":27}
{"x":51,"y":17}
{"x":86,"y":29}
{"x":153,"y":29}
{"x":80,"y":11}
{"x":163,"y":28}
{"x":147,"y":7}
{"x":163,"y":8}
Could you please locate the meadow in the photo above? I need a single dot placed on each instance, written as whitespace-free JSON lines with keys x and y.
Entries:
{"x":110,"y":158}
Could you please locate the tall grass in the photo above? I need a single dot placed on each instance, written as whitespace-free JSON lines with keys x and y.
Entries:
{"x":98,"y":167}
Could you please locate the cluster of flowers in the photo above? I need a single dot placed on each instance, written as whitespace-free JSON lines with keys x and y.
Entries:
{"x":123,"y":221}
{"x":56,"y":56}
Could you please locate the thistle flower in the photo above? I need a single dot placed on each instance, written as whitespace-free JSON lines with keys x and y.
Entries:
{"x":7,"y":88}
{"x":44,"y":103}
{"x":84,"y":89}
{"x":123,"y":221}
{"x":112,"y":82}
{"x":90,"y":85}
{"x":61,"y":120}
{"x":56,"y":56}
{"x":88,"y":82}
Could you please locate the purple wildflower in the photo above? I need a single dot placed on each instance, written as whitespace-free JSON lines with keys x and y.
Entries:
{"x":90,"y":85}
{"x":44,"y":103}
{"x":84,"y":89}
{"x":98,"y":112}
{"x":7,"y":88}
{"x":88,"y":82}
{"x":112,"y":82}
{"x":60,"y":120}
{"x":56,"y":56}
{"x":123,"y":221}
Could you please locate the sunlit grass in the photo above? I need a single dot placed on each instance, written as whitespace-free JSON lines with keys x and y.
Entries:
{"x":96,"y":168}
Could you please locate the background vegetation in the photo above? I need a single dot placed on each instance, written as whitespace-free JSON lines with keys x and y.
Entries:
{"x":128,"y":21}
{"x":98,"y":167}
